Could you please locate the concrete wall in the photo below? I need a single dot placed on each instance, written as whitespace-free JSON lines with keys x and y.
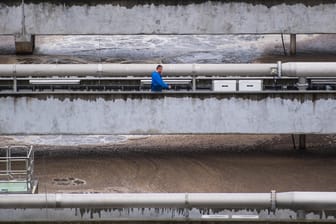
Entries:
{"x":168,"y":113}
{"x":168,"y":16}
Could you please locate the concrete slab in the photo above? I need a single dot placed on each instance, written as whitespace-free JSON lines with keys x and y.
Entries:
{"x":167,"y":17}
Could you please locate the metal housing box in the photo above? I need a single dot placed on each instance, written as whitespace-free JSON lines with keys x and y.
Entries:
{"x":250,"y":85}
{"x":224,"y":85}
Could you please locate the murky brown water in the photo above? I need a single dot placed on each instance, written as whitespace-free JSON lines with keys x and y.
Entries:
{"x":206,"y":163}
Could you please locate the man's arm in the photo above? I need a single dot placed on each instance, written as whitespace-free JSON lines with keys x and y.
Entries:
{"x":159,"y":80}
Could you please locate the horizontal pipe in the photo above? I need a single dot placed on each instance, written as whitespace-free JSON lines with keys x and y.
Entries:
{"x":308,"y":69}
{"x":289,"y":200}
{"x":133,"y":69}
{"x":307,"y":200}
{"x":290,"y":69}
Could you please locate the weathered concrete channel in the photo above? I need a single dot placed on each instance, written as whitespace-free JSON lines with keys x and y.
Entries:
{"x":174,"y":163}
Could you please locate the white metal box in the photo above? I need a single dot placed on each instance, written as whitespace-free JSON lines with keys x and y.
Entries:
{"x":250,"y":85}
{"x":224,"y":85}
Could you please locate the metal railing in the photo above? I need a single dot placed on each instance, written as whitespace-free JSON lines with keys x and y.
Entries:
{"x":17,"y":167}
{"x":289,"y":76}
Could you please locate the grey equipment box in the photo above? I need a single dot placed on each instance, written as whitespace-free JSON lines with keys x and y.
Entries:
{"x":224,"y":85}
{"x":250,"y":85}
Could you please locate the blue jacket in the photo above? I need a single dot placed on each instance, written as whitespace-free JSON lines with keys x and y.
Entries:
{"x":157,"y":83}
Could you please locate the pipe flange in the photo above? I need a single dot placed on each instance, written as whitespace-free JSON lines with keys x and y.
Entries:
{"x":279,"y":67}
{"x":273,"y":199}
{"x":14,"y":69}
{"x":186,"y":200}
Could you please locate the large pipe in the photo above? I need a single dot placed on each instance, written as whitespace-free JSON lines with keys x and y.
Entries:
{"x":294,"y":69}
{"x":309,"y":69}
{"x":290,"y":200}
{"x":133,"y":69}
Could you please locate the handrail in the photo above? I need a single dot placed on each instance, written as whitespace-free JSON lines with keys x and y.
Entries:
{"x":18,"y":175}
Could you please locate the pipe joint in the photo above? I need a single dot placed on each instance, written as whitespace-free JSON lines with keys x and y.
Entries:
{"x":273,"y":200}
{"x":186,"y":199}
{"x":279,"y":69}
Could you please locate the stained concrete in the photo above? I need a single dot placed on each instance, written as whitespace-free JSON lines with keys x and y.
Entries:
{"x":168,"y":17}
{"x":130,"y":4}
{"x":25,"y":44}
{"x":168,"y":114}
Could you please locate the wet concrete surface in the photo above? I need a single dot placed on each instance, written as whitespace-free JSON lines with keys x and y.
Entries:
{"x":204,"y":163}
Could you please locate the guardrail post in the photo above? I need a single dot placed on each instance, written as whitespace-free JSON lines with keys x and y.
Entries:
{"x":193,"y":77}
{"x":14,"y":84}
{"x":194,"y":83}
{"x":7,"y":161}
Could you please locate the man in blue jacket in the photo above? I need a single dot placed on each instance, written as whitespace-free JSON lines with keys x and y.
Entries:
{"x":157,"y":83}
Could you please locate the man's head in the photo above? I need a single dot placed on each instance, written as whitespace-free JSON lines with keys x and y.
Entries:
{"x":159,"y":68}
